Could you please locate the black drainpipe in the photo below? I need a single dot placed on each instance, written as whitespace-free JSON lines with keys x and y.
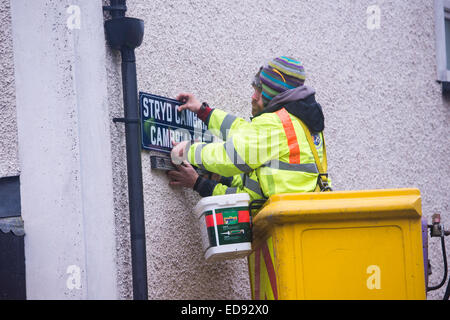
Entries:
{"x":126,"y":34}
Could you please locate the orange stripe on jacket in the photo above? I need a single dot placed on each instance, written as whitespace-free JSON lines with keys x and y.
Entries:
{"x":294,"y":148}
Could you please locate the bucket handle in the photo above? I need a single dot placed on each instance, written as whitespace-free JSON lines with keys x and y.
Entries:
{"x":256,"y":205}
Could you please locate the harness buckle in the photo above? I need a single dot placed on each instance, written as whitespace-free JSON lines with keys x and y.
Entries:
{"x":323,"y":183}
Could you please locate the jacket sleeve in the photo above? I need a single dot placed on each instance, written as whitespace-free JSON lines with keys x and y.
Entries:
{"x":205,"y":187}
{"x":236,"y":184}
{"x":250,"y":146}
{"x":223,"y":125}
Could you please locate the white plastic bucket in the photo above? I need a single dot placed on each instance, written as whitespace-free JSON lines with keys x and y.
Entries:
{"x":225,"y":226}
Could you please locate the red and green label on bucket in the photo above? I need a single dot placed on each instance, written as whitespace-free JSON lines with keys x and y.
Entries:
{"x":233,"y":226}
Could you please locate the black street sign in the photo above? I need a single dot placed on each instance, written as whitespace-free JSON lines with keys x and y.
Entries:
{"x":162,"y":123}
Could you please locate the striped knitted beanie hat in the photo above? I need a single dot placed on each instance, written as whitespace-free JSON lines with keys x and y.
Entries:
{"x":279,"y":75}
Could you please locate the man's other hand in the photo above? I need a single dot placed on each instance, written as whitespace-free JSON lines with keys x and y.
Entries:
{"x":185,"y":176}
{"x":189,"y":102}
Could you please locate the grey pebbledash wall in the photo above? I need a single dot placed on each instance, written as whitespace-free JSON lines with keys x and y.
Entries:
{"x":387,"y":125}
{"x":386,"y":120}
{"x":9,"y":161}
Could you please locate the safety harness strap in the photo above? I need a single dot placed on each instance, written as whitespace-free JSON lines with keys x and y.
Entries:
{"x":322,"y":180}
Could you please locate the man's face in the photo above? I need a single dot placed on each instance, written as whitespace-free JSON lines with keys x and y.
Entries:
{"x":257,"y":101}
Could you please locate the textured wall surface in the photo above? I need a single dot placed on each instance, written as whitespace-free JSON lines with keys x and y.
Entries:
{"x":9,"y":160}
{"x":387,"y":124}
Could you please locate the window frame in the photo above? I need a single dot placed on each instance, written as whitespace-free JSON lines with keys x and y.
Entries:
{"x":441,"y":12}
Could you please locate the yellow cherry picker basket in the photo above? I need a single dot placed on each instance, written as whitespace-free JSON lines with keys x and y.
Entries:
{"x":339,"y":245}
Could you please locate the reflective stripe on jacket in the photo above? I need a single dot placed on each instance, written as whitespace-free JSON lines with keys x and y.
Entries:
{"x":241,"y":184}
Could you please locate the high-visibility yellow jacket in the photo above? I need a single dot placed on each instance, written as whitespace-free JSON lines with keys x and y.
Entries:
{"x":264,"y":147}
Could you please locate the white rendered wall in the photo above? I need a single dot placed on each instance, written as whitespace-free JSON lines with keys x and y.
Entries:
{"x":64,"y":151}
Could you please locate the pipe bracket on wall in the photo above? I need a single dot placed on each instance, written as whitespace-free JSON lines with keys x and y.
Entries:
{"x":119,"y":8}
{"x":115,"y":120}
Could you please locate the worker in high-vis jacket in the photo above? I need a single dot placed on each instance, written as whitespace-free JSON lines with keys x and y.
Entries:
{"x":282,"y":149}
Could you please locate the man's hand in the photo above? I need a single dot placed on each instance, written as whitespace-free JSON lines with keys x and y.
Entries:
{"x":185,"y":176}
{"x":189,"y":102}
